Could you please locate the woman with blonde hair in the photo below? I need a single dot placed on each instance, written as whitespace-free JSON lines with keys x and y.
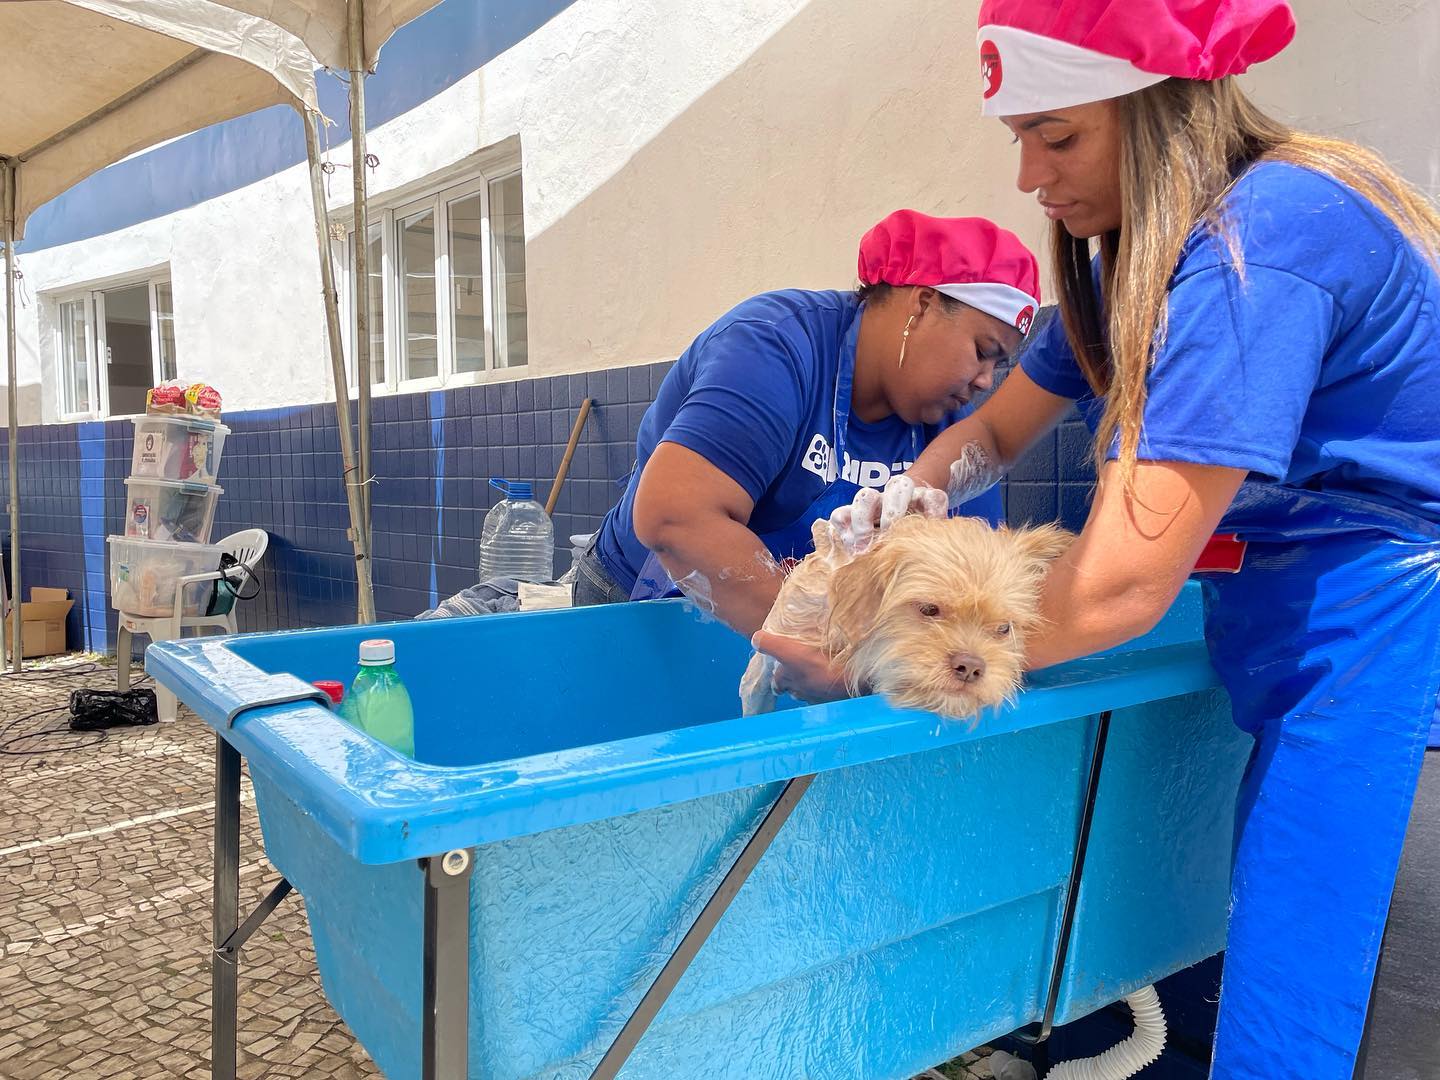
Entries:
{"x":1250,"y":323}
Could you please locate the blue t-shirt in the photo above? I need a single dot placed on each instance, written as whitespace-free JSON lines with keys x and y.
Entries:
{"x":1320,"y":369}
{"x":755,"y":396}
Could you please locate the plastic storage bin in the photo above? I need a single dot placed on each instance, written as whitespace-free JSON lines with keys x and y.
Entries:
{"x":906,"y":912}
{"x":143,"y":574}
{"x":177,"y":448}
{"x":174,"y":510}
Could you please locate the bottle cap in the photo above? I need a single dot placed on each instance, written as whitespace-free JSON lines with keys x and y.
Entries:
{"x":513,"y":489}
{"x":335,"y":690}
{"x":377,"y":651}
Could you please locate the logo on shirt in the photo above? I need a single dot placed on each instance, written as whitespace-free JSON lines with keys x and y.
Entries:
{"x":819,"y":458}
{"x":990,"y":69}
{"x":1024,"y":319}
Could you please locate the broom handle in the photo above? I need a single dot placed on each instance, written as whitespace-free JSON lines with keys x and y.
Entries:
{"x":569,"y":453}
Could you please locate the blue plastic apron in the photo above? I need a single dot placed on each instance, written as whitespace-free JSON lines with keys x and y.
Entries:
{"x":792,"y":542}
{"x":1328,"y":639}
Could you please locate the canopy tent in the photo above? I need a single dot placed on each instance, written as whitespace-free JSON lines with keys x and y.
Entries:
{"x":326,"y":27}
{"x":137,"y":72}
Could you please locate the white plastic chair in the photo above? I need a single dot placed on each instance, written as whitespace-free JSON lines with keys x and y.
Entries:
{"x":248,"y":547}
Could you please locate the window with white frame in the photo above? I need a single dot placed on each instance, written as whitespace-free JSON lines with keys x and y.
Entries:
{"x":446,"y":276}
{"x":112,"y":344}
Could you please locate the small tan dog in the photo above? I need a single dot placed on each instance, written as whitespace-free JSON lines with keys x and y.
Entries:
{"x":934,"y":615}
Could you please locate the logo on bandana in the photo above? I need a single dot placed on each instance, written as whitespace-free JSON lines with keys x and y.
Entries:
{"x":1024,"y":319}
{"x":990,"y":69}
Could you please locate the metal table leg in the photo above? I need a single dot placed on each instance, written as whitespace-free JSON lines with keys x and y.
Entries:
{"x":1042,"y":1030}
{"x":228,"y":933}
{"x":445,"y":1020}
{"x":446,"y":940}
{"x":705,"y":923}
{"x":224,"y":974}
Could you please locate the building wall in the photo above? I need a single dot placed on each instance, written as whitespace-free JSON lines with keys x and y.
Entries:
{"x":280,"y":471}
{"x":1364,"y":70}
{"x":677,"y":158}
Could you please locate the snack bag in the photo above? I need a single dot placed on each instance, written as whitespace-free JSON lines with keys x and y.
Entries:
{"x":203,"y":400}
{"x":166,"y":399}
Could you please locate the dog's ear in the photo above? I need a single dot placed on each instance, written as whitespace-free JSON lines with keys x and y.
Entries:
{"x":1043,"y":543}
{"x":856,"y":593}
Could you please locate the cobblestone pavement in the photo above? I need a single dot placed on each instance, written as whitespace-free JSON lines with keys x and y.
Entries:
{"x":105,"y":853}
{"x":105,"y":849}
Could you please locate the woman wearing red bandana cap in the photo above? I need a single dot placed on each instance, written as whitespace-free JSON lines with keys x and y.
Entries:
{"x":1250,"y":323}
{"x":794,"y":401}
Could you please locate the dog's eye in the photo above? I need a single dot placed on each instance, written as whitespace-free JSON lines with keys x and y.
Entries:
{"x":1003,"y":630}
{"x":930,"y":611}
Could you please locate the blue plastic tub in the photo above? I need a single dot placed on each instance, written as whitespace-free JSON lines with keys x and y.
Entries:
{"x":593,"y":762}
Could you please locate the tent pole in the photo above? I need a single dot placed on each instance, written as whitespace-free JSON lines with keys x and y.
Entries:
{"x":12,"y":412}
{"x":359,"y":536}
{"x":361,"y":283}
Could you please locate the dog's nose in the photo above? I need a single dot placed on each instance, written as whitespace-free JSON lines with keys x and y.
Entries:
{"x":968,"y":667}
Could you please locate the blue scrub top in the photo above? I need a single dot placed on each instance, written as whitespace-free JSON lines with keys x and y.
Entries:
{"x":1320,"y":368}
{"x":1317,"y":370}
{"x":755,"y":396}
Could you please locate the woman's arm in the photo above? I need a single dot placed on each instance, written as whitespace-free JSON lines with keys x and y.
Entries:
{"x":1135,"y":552}
{"x":1013,"y":420}
{"x":1115,"y":583}
{"x":694,"y":517}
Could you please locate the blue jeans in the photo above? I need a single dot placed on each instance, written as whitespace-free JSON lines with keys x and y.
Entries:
{"x":593,"y":583}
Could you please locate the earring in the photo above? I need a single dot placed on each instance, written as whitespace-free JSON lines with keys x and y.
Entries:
{"x":905,"y":340}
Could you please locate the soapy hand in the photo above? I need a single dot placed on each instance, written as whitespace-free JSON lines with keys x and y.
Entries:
{"x":857,"y":526}
{"x":802,"y":671}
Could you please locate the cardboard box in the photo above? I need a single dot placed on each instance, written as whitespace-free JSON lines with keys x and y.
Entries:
{"x":42,"y":622}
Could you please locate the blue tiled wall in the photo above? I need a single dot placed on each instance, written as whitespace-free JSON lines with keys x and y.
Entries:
{"x":433,"y":454}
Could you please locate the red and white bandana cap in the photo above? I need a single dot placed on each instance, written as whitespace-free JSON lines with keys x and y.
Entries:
{"x":1037,"y":55}
{"x":971,"y":259}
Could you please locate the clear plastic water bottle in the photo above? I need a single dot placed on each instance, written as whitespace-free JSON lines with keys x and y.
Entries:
{"x":518,"y":539}
{"x":378,"y":703}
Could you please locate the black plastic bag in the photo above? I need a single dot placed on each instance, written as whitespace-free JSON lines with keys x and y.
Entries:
{"x":94,"y":710}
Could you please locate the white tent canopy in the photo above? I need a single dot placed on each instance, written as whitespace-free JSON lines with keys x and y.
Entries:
{"x":85,"y":83}
{"x":321,"y":24}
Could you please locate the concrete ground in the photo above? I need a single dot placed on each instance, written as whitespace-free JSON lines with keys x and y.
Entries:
{"x":105,"y":908}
